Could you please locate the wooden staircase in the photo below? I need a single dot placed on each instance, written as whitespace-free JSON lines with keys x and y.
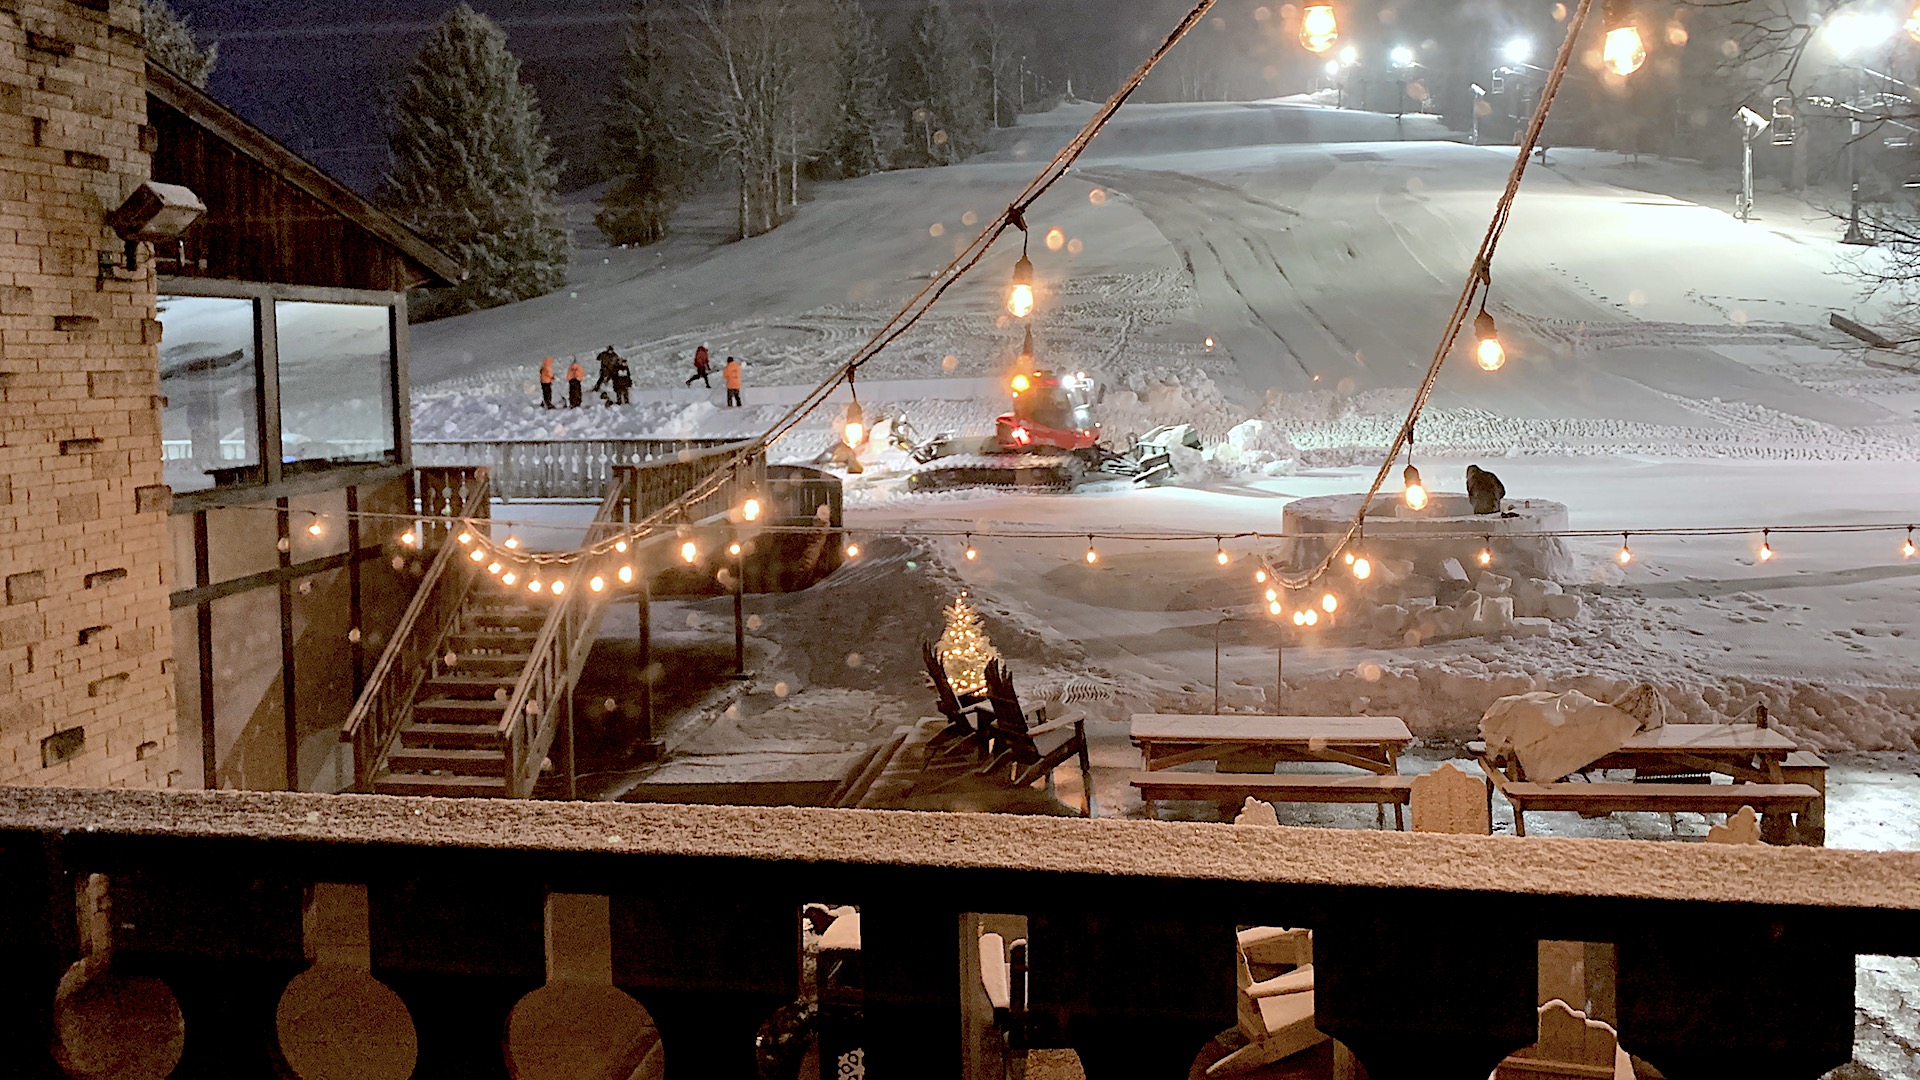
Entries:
{"x":451,"y":744}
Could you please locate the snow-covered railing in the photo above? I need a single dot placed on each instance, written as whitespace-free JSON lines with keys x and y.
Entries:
{"x":576,"y":469}
{"x":416,"y":927}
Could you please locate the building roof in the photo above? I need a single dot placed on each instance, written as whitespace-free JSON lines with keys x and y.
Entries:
{"x":436,"y":267}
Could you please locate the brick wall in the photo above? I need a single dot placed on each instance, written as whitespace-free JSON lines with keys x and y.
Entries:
{"x":85,"y":636}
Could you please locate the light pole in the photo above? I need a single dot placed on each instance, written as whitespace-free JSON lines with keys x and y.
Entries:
{"x":1850,"y":33}
{"x":1751,"y":125}
{"x":1402,"y":59}
{"x":1479,"y":95}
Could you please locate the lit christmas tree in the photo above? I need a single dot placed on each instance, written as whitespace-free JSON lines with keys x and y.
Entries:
{"x":964,"y":649}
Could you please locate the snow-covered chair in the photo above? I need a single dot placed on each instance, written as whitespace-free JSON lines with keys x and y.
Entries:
{"x":968,"y":735}
{"x":1029,"y":751}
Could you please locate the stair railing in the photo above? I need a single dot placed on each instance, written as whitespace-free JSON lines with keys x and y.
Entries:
{"x":448,"y":497}
{"x":544,"y":694}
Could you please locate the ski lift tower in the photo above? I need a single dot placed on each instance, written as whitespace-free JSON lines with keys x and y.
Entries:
{"x":1751,"y":125}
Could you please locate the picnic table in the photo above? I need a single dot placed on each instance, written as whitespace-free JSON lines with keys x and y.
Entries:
{"x":1767,"y":768}
{"x":1244,"y":750}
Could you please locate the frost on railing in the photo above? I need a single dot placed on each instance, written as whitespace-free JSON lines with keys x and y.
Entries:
{"x":576,"y":469}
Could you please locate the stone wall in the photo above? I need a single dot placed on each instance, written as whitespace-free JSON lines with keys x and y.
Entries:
{"x":86,"y":690}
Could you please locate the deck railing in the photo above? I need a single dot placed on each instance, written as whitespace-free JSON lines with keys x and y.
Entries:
{"x":1728,"y":960}
{"x":444,"y":497}
{"x":575,"y":469}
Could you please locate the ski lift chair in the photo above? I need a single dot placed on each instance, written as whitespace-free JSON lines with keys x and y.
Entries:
{"x":1029,"y":751}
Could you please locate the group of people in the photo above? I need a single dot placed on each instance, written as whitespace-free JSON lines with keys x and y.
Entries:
{"x":615,"y":372}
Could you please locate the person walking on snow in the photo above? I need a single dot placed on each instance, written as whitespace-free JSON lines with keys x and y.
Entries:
{"x":701,"y":362}
{"x":622,"y":382}
{"x":546,"y":383}
{"x":732,"y":378}
{"x":575,"y":376}
{"x":609,"y":360}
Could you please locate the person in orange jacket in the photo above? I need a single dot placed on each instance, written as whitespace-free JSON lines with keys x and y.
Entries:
{"x":575,"y":376}
{"x":546,"y":383}
{"x":732,"y":374}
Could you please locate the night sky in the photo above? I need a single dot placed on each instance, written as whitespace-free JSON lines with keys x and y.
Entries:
{"x":314,"y":73}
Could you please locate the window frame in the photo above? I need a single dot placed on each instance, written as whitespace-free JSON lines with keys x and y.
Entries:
{"x":267,"y":398}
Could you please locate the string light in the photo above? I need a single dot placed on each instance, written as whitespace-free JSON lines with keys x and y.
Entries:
{"x":853,"y":551}
{"x":534,"y":585}
{"x":1260,"y":576}
{"x":1622,"y":52}
{"x":1416,"y":492}
{"x":1330,"y":603}
{"x":689,"y":552}
{"x":1220,"y":552}
{"x":1319,"y":28}
{"x":1272,"y":595}
{"x":477,"y":555}
{"x":749,"y":510}
{"x":1273,"y":607}
{"x":513,"y":542}
{"x":494,"y":569}
{"x":466,"y":537}
{"x":1626,"y":553}
{"x":508,"y":578}
{"x":625,"y":575}
{"x":1362,"y":567}
{"x":1487,"y":351}
{"x":597,"y":583}
{"x":620,"y":546}
{"x":1766,"y":547}
{"x":972,"y":553}
{"x":1092,"y":555}
{"x":1313,"y":617}
{"x":1907,"y":549}
{"x":314,"y":529}
{"x":407,"y":538}
{"x":1300,"y":617}
{"x":1020,"y":296}
{"x":854,"y":431}
{"x":733,"y":549}
{"x":1486,"y":552}
{"x":559,"y":587}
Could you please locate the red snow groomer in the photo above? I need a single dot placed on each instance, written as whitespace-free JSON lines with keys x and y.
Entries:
{"x":1050,"y":439}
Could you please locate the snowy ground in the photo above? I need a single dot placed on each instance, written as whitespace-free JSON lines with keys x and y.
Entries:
{"x":1669,"y":366}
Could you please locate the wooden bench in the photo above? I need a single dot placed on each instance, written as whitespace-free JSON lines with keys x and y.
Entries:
{"x":1229,"y":789}
{"x":1611,"y":798}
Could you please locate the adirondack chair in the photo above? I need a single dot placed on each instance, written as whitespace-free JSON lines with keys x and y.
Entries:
{"x":968,"y":735}
{"x":1275,"y":1015}
{"x":1029,"y":751}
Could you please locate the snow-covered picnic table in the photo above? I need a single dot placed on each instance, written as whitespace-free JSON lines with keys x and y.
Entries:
{"x":1244,"y":750}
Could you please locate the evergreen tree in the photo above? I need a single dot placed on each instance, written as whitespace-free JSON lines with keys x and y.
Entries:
{"x":471,"y":170}
{"x":942,"y":75}
{"x":964,"y":650}
{"x":865,"y":121}
{"x":649,"y":163}
{"x":172,"y":45}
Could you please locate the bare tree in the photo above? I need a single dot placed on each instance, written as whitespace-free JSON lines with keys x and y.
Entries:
{"x":746,"y":66}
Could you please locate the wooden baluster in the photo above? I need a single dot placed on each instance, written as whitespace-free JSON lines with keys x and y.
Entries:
{"x":38,"y":938}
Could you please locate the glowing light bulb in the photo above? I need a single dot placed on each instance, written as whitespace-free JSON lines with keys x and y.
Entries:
{"x":314,"y":529}
{"x":1312,"y":616}
{"x":1220,"y":556}
{"x":1300,"y":617}
{"x":1260,"y":576}
{"x":1907,"y":549}
{"x":494,"y":569}
{"x":853,"y":551}
{"x":1489,"y":353}
{"x":513,"y":542}
{"x":1330,"y":603}
{"x":972,"y":553}
{"x":408,"y":538}
{"x":689,"y":552}
{"x":1766,"y":547}
{"x":1416,"y":492}
{"x":534,"y":585}
{"x":1486,"y":556}
{"x":1272,"y":594}
{"x":559,"y":587}
{"x":625,"y":575}
{"x":733,"y":549}
{"x":1623,"y":52}
{"x":597,"y":583}
{"x":1319,"y":28}
{"x":1273,"y":607}
{"x":1092,"y":555}
{"x":1362,"y":567}
{"x":1625,"y":554}
{"x":477,"y":555}
{"x":1020,"y":297}
{"x":620,"y":546}
{"x":1349,"y":558}
{"x":750,"y":510}
{"x":465,"y":537}
{"x":508,"y":578}
{"x":1021,"y":384}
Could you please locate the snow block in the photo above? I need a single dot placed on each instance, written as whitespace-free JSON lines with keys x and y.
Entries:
{"x":1389,"y":618}
{"x":1491,"y":584}
{"x":1530,"y":596}
{"x":1418,"y":603}
{"x":1564,"y":606}
{"x":1451,"y":570}
{"x":1394,"y":571}
{"x":1466,"y":601}
{"x":1493,"y":616}
{"x":1532,"y":628}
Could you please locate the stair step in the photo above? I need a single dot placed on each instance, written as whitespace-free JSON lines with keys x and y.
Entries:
{"x":471,"y":686}
{"x":437,"y":759}
{"x":492,"y":641}
{"x":518,"y":620}
{"x":458,"y":736}
{"x":507,"y":664}
{"x":453,"y":787}
{"x":455,"y":711}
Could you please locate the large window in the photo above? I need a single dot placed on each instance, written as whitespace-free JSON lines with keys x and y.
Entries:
{"x":210,"y":375}
{"x":336,"y":383}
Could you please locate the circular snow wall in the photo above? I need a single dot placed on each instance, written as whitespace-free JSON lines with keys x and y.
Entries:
{"x":1425,"y":540}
